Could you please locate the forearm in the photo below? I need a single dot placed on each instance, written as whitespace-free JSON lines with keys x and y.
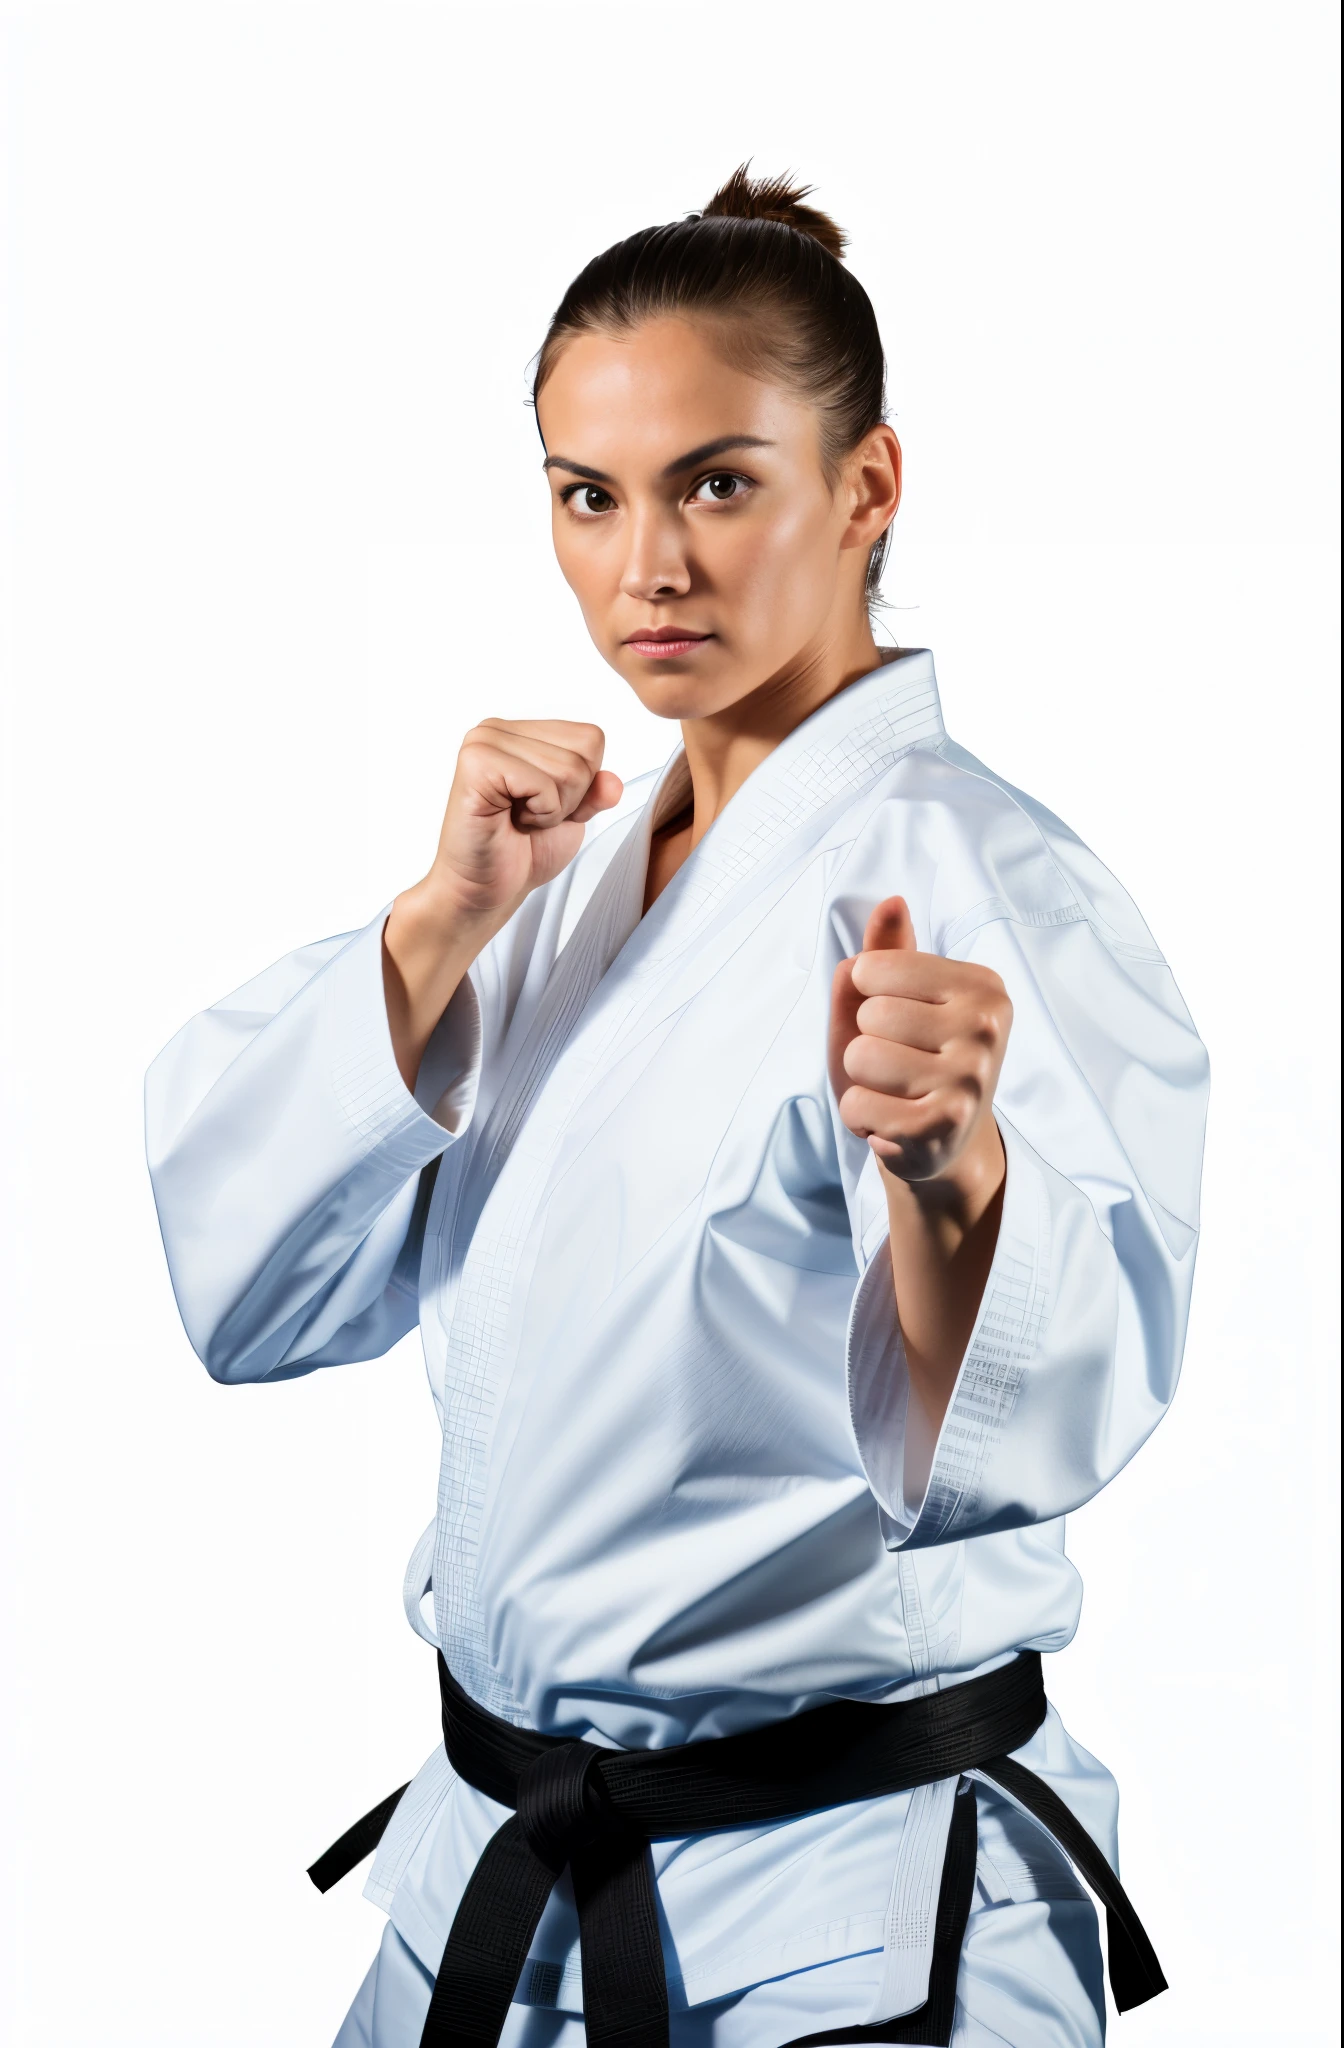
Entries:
{"x":428,"y":945}
{"x":943,"y":1235}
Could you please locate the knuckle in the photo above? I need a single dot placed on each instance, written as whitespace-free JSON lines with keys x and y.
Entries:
{"x":852,"y":1058}
{"x":875,"y":975}
{"x":849,"y":1103}
{"x":991,"y":1018}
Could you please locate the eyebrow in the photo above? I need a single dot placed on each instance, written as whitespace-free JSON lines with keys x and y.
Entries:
{"x":691,"y":460}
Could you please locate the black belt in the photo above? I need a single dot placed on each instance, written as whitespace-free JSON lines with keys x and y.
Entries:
{"x":596,"y":1811}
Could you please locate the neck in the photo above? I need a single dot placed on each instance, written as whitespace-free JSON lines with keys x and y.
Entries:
{"x":724,"y":747}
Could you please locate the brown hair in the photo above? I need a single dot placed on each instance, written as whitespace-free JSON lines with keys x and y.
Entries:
{"x":768,"y":267}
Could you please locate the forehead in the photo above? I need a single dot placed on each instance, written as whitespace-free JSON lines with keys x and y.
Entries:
{"x":638,"y":400}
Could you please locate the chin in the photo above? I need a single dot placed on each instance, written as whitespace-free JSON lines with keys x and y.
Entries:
{"x":671,"y":690}
{"x":671,"y":702}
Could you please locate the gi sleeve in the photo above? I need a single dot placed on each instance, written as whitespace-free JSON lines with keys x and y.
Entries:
{"x":1077,"y":1345}
{"x":291,"y":1166}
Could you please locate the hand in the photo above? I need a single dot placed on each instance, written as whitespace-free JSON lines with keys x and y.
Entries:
{"x":522,"y":792}
{"x":916,"y":1045}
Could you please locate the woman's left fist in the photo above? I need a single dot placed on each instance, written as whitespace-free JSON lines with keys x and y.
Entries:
{"x":916,"y":1045}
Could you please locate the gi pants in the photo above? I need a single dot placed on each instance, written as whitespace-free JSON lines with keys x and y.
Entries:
{"x":1030,"y":1977}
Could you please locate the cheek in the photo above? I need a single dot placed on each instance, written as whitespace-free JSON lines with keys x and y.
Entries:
{"x":580,"y":562}
{"x":777,"y":566}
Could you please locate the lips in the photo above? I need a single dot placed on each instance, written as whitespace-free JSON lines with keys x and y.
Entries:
{"x":662,"y":641}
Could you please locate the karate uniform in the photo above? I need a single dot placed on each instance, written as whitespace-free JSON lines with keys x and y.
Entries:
{"x":651,"y":1272}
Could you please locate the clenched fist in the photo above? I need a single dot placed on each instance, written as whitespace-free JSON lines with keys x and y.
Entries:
{"x":522,"y":791}
{"x":916,"y":1045}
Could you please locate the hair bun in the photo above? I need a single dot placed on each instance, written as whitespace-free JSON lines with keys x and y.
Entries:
{"x":743,"y":198}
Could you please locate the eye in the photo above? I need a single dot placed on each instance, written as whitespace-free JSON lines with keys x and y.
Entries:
{"x":587,"y":501}
{"x":721,"y":488}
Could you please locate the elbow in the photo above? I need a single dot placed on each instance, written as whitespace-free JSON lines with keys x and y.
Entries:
{"x":231,"y":1368}
{"x":236,"y":1351}
{"x":248,"y":1344}
{"x":225,"y":1366}
{"x":229,"y":1363}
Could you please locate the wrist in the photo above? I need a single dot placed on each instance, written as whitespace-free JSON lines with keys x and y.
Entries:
{"x":962,"y":1193}
{"x":430,"y":922}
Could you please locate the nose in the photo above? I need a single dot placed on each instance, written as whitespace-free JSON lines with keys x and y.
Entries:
{"x":656,"y":565}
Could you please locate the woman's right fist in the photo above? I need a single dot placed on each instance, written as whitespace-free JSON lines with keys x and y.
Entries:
{"x":522,"y":792}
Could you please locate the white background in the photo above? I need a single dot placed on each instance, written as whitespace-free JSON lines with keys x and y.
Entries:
{"x":276,"y":536}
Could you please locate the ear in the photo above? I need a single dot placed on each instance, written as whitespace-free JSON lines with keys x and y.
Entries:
{"x":873,"y":472}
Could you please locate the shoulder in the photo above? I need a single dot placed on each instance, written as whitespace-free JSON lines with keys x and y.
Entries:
{"x":968,"y":848}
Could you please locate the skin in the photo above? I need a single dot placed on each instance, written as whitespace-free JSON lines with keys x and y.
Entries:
{"x":689,"y":496}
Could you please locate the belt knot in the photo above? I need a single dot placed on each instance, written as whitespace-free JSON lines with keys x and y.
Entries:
{"x":563,"y":1803}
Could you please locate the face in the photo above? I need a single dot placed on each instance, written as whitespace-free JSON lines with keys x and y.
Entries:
{"x":695,"y":523}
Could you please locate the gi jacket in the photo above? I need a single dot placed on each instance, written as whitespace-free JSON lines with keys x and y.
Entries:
{"x":651,"y":1273}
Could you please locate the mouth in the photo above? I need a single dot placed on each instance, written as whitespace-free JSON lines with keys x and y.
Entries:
{"x":660,"y":643}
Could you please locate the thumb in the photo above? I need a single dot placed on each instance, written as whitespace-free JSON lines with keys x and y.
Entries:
{"x":603,"y":791}
{"x":890,"y":928}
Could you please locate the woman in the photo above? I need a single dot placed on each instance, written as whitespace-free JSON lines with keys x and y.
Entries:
{"x":792,"y":1161}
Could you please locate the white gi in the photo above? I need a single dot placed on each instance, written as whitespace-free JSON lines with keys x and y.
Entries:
{"x":655,"y":1294}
